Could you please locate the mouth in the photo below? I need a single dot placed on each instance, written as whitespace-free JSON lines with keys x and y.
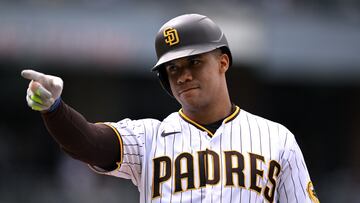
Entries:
{"x":187,"y":90}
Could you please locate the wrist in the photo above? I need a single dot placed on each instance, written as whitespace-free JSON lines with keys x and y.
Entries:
{"x":54,"y":106}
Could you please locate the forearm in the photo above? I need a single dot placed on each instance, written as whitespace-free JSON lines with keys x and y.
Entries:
{"x":96,"y":144}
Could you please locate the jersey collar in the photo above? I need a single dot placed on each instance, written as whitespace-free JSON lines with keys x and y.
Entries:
{"x":199,"y":126}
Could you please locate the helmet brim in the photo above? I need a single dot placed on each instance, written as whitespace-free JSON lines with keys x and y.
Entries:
{"x":183,"y":52}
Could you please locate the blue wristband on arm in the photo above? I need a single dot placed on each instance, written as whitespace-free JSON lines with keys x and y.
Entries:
{"x":55,"y":105}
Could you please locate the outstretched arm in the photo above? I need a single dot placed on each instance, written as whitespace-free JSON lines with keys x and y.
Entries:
{"x":95,"y":144}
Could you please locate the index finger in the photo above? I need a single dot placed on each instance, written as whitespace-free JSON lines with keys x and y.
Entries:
{"x":32,"y":75}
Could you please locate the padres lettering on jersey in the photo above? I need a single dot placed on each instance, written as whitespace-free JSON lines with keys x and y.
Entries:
{"x":209,"y":161}
{"x":248,"y":159}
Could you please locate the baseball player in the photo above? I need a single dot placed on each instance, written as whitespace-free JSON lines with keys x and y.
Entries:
{"x":208,"y":151}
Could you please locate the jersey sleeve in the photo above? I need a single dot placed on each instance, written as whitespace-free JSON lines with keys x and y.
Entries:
{"x":294,"y":183}
{"x":134,"y":138}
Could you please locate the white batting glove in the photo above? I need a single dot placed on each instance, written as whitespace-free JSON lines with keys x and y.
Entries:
{"x":43,"y":89}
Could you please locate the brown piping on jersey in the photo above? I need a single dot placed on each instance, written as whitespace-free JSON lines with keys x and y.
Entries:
{"x":211,"y":128}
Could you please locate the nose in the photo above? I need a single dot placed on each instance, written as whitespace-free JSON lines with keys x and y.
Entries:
{"x":184,"y":76}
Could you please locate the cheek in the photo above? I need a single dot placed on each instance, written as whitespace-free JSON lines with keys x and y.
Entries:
{"x":212,"y":84}
{"x":172,"y":81}
{"x":207,"y":76}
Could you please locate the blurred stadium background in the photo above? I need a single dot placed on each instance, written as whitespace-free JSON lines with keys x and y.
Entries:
{"x":295,"y":62}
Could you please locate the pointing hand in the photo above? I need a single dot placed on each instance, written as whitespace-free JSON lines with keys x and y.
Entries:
{"x":43,"y":89}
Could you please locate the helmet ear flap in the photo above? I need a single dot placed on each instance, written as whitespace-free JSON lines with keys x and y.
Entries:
{"x":164,"y":81}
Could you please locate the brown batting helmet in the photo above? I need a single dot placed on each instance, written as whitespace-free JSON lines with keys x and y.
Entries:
{"x":186,"y":35}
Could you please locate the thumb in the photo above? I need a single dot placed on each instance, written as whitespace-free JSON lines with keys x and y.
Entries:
{"x":55,"y":86}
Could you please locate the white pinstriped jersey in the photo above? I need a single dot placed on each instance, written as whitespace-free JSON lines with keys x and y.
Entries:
{"x":248,"y":159}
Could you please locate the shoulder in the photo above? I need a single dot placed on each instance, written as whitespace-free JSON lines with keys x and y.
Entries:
{"x":130,"y":123}
{"x":172,"y":118}
{"x":246,"y":116}
{"x":145,"y":123}
{"x":276,"y":131}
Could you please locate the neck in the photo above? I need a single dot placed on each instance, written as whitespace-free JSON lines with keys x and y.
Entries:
{"x":210,"y":113}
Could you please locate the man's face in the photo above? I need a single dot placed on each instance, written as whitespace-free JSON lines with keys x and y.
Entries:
{"x":196,"y":80}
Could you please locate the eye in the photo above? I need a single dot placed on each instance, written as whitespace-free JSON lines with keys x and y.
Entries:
{"x":171,"y":69}
{"x":195,"y":61}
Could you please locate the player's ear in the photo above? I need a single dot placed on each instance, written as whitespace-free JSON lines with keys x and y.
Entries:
{"x":224,"y":62}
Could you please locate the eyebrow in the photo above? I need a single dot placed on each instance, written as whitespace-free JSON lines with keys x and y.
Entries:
{"x":194,"y":56}
{"x":189,"y":58}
